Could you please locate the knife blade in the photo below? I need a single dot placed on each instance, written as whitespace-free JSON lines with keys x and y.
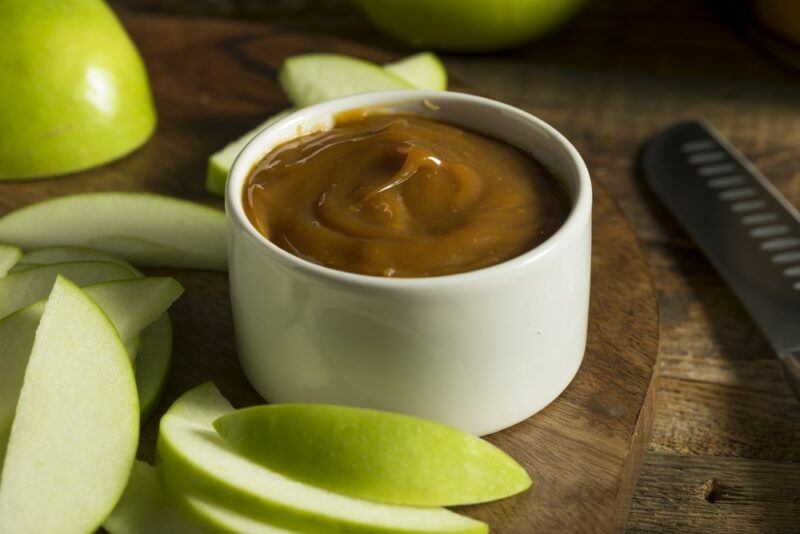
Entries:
{"x":744,"y":226}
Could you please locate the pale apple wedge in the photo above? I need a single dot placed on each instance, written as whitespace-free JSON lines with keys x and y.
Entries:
{"x":134,"y":304}
{"x":424,"y":71}
{"x":48,"y":255}
{"x":22,"y":288}
{"x":312,"y":78}
{"x":202,"y":464}
{"x":220,"y":163}
{"x":9,"y":256}
{"x":76,"y":426}
{"x":130,"y":305}
{"x":146,"y":508}
{"x":153,"y":363}
{"x":142,"y":228}
{"x":373,"y":455}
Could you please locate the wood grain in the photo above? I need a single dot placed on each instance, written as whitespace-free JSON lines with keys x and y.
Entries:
{"x":214,"y":79}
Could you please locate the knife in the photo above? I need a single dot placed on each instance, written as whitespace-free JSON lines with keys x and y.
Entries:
{"x":745,"y":227}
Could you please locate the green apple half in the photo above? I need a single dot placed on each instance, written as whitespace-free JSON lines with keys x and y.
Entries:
{"x":201,"y":463}
{"x":74,"y":92}
{"x":373,"y":455}
{"x":468,"y":25}
{"x":76,"y":426}
{"x":130,"y":305}
{"x":9,"y":256}
{"x":142,"y":228}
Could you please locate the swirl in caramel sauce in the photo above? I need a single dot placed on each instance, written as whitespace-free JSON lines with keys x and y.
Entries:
{"x":403,"y":195}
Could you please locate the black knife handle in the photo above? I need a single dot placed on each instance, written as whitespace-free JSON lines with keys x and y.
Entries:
{"x":791,"y":364}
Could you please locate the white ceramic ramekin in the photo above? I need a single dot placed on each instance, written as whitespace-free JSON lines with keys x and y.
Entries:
{"x":479,"y":351}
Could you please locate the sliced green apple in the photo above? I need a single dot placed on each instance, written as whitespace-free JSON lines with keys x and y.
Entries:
{"x":9,"y":256}
{"x":73,"y":97}
{"x":424,"y":71}
{"x":146,"y":507}
{"x":153,"y":363}
{"x":130,"y":305}
{"x":47,"y":255}
{"x":200,"y":462}
{"x":220,"y":163}
{"x":373,"y":455}
{"x":142,"y":228}
{"x":76,"y":426}
{"x":312,"y":78}
{"x":22,"y":288}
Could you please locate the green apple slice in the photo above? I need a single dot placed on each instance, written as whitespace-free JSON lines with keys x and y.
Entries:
{"x":220,"y":163}
{"x":22,"y":288}
{"x":424,"y":71}
{"x":142,"y":228}
{"x":130,"y":305}
{"x":9,"y":256}
{"x":200,"y":462}
{"x":373,"y":455}
{"x":47,"y":255}
{"x":153,"y":363}
{"x":146,"y":507}
{"x":312,"y":78}
{"x":76,"y":426}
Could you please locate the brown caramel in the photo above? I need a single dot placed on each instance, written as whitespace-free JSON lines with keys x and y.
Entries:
{"x":402,"y":195}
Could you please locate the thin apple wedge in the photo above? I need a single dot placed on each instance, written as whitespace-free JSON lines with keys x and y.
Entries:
{"x":153,"y":363}
{"x":9,"y":256}
{"x":373,"y":455}
{"x":312,"y":78}
{"x":201,"y":463}
{"x":48,"y":255}
{"x":142,"y":228}
{"x":220,"y":163}
{"x":424,"y":71}
{"x":130,"y":305}
{"x":76,"y":425}
{"x":146,"y":508}
{"x":22,"y":288}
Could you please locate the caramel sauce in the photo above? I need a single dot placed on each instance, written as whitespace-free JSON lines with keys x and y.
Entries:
{"x":404,"y":196}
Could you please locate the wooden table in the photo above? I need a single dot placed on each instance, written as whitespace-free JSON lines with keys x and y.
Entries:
{"x":725,"y":450}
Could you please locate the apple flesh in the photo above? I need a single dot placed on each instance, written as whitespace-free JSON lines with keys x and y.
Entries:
{"x":373,"y":455}
{"x":74,"y":91}
{"x":9,"y":256}
{"x":22,"y":288}
{"x":312,"y":78}
{"x":153,"y":363}
{"x":200,"y":463}
{"x":76,"y":424}
{"x":142,"y":228}
{"x":47,"y":255}
{"x":130,"y":305}
{"x":146,"y":507}
{"x":424,"y":71}
{"x":468,"y":25}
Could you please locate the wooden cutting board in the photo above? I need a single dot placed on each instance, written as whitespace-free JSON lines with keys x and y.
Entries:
{"x":212,"y":81}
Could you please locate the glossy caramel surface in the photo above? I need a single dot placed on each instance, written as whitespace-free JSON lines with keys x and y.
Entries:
{"x":404,"y":196}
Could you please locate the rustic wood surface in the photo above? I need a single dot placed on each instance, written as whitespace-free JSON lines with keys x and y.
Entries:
{"x":725,"y":451}
{"x":214,"y":79}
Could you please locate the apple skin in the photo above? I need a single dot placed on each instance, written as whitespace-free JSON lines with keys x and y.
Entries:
{"x":74,"y":92}
{"x":373,"y":455}
{"x":468,"y":25}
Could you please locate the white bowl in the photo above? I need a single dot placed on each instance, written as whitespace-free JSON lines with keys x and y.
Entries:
{"x":480,"y":350}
